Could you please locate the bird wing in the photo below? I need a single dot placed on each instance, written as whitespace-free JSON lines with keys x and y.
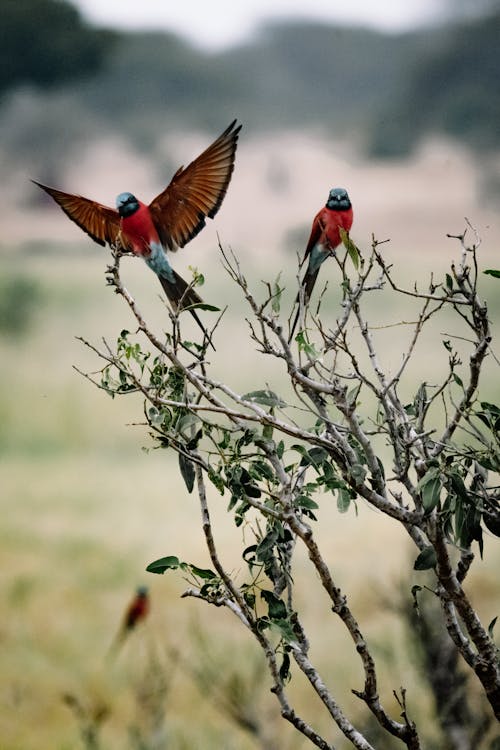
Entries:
{"x":99,"y":222}
{"x":317,"y":230}
{"x":179,"y":212}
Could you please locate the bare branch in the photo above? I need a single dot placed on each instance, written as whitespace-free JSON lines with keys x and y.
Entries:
{"x":274,"y":455}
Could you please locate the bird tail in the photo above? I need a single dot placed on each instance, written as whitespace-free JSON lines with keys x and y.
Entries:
{"x":117,"y":643}
{"x":181,"y":295}
{"x":308,"y":283}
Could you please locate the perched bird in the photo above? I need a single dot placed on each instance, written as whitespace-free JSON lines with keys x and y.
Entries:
{"x":324,"y":238}
{"x":136,"y":611}
{"x":170,"y":221}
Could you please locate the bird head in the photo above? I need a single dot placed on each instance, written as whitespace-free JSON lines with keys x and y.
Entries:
{"x":142,"y":591}
{"x":127,"y":204}
{"x":338,"y":200}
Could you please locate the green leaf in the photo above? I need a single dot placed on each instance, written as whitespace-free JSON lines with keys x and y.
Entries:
{"x":201,"y":306}
{"x":492,"y":408}
{"x":276,"y":607}
{"x":303,"y":501}
{"x":205,"y":573}
{"x":305,"y":346}
{"x":265,"y":397}
{"x":318,"y":456}
{"x":234,"y":499}
{"x":198,"y":277}
{"x":187,"y":470}
{"x":248,"y":436}
{"x":265,"y":547}
{"x":186,"y":422}
{"x":226,"y":439}
{"x":381,"y":467}
{"x":216,"y":479}
{"x":267,"y":432}
{"x":343,"y":500}
{"x":431,"y":473}
{"x":277,"y":290}
{"x":431,"y":492}
{"x":163,"y":564}
{"x":350,"y":247}
{"x":426,"y":559}
{"x":358,"y":473}
{"x":352,"y":395}
{"x":493,"y":272}
{"x":449,"y":281}
{"x":470,"y":529}
{"x":285,"y":630}
{"x":314,"y":456}
{"x":447,"y":345}
{"x":485,"y":419}
{"x":155,"y":416}
{"x":332,"y":481}
{"x":239,"y":515}
{"x":262,"y":470}
{"x":459,"y":487}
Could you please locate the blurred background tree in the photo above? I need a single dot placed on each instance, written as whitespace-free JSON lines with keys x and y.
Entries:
{"x":391,"y":90}
{"x":46,"y":42}
{"x":453,"y":90}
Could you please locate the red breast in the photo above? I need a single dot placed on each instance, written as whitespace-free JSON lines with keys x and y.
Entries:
{"x":332,"y":221}
{"x":140,"y":230}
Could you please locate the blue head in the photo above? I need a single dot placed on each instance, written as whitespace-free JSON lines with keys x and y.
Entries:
{"x":127,"y":204}
{"x":338,"y":200}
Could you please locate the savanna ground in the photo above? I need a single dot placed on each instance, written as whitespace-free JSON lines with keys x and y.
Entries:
{"x":85,"y":508}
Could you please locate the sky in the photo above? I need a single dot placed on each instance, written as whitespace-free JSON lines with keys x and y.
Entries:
{"x":215,"y":24}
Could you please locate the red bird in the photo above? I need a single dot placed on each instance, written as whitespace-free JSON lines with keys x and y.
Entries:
{"x":324,"y":238}
{"x":137,"y":610}
{"x":170,"y":221}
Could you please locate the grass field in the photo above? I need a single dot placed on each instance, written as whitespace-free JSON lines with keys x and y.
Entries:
{"x":85,"y":508}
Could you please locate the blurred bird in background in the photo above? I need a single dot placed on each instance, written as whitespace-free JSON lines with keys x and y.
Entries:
{"x":324,"y":238}
{"x":136,"y":612}
{"x":170,"y":221}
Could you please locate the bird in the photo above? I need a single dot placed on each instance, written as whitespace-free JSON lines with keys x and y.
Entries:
{"x":335,"y":215}
{"x":137,"y":610}
{"x":170,"y":221}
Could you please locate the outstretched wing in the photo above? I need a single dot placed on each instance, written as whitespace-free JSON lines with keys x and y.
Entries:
{"x":194,"y":193}
{"x":98,"y":221}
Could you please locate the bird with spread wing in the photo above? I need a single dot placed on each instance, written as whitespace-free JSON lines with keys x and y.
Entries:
{"x":170,"y":221}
